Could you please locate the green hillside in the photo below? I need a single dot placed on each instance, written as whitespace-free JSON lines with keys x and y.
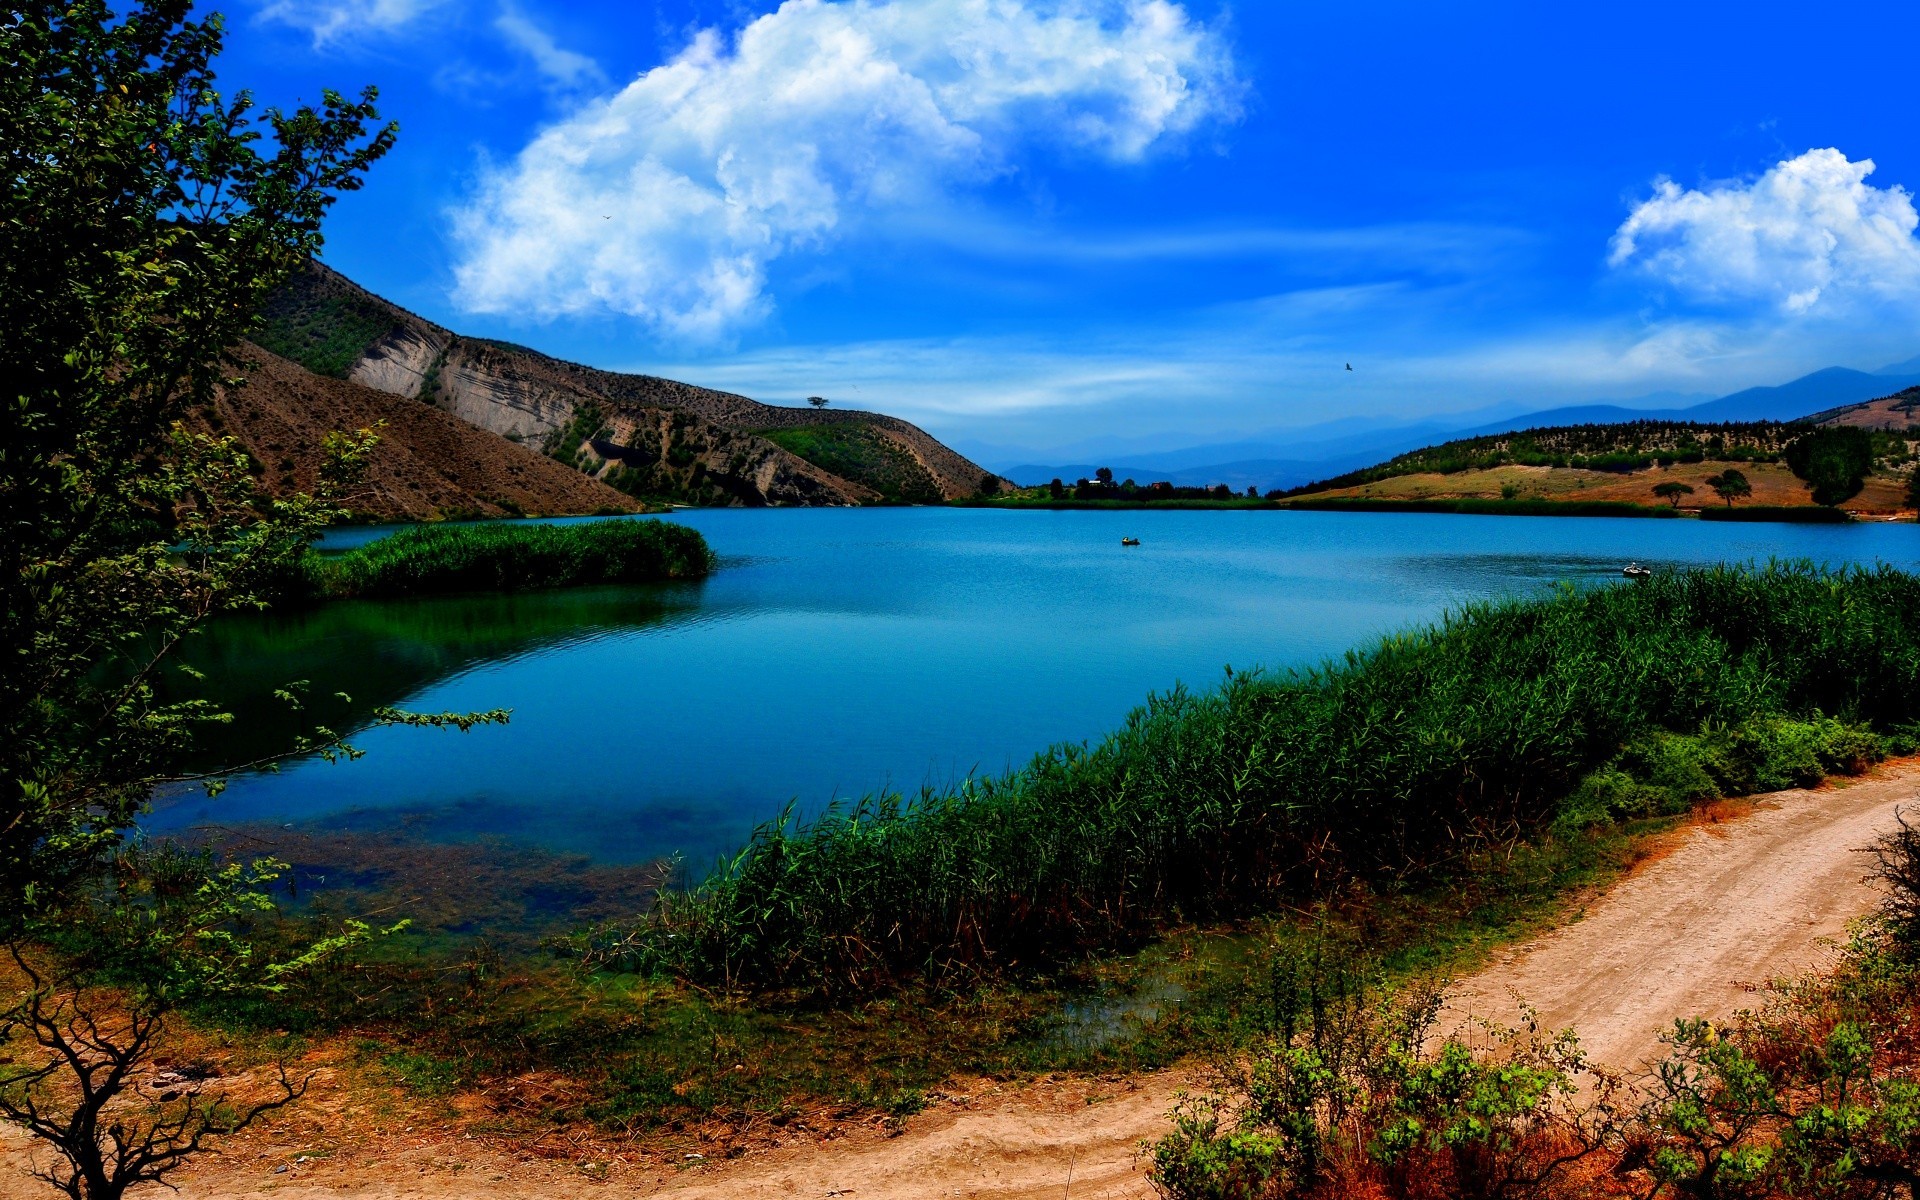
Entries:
{"x":863,"y":454}
{"x":1632,"y":446}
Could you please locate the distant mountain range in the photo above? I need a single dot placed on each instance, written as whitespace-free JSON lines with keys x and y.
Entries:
{"x":1320,"y":452}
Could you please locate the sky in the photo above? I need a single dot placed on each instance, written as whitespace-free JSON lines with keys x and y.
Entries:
{"x":1032,"y":225}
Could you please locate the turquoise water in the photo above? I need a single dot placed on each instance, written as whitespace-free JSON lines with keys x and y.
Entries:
{"x":838,"y":652}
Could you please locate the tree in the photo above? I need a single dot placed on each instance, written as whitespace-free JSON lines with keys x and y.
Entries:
{"x":145,"y":220}
{"x":83,"y":1033}
{"x":1730,"y":485}
{"x":1056,"y":489}
{"x":1913,"y":488}
{"x":817,"y":401}
{"x":1671,"y":491}
{"x":1105,"y":476}
{"x":1835,"y":461}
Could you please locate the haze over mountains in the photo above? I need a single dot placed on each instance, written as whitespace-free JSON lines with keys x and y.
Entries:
{"x":1329,"y":449}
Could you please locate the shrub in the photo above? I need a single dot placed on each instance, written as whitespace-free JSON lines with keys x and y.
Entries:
{"x":1835,"y":461}
{"x":1348,"y":1095}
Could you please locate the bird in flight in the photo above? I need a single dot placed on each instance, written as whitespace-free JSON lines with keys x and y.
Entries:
{"x":1349,"y":366}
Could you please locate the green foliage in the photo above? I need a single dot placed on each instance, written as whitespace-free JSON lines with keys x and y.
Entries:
{"x":1730,"y":485}
{"x":126,"y":273}
{"x":1381,"y":768}
{"x":435,"y":559}
{"x":588,"y":423}
{"x":862,"y":453}
{"x":1671,"y":491}
{"x":325,"y":334}
{"x":1835,"y":461}
{"x":1663,"y":773}
{"x":1344,"y":1095}
{"x":1913,"y":488}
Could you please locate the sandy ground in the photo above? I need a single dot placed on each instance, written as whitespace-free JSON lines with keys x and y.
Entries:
{"x":1727,"y":906}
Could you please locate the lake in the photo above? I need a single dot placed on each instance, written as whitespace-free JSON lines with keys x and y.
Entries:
{"x":841,"y":651}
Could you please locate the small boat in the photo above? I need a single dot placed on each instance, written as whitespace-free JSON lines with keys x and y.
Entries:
{"x":1634,"y":570}
{"x":1129,"y":541}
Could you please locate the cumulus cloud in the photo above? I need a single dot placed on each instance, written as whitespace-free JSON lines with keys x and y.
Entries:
{"x":330,"y":21}
{"x":669,"y":200}
{"x":1809,"y":234}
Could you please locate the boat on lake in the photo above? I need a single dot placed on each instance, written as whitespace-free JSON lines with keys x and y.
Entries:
{"x":1634,"y":570}
{"x":1129,"y":541}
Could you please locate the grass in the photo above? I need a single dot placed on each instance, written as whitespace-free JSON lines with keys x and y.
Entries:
{"x":1503,"y":508}
{"x":324,"y":334}
{"x":1385,"y":771}
{"x":438,"y":559}
{"x":640,"y":1054}
{"x":863,"y":454}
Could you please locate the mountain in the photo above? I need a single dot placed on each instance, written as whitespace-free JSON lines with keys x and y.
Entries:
{"x":1808,"y":394}
{"x":639,"y":434}
{"x":1319,"y":452}
{"x":427,"y":465}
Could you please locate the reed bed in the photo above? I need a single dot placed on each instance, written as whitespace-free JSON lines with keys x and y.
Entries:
{"x":436,"y":559}
{"x":1389,"y":767}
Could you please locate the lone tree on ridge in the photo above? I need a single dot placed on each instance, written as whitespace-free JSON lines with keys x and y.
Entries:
{"x":817,"y":401}
{"x":1671,"y":491}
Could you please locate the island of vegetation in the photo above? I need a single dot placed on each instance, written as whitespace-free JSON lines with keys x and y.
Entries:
{"x":433,"y":559}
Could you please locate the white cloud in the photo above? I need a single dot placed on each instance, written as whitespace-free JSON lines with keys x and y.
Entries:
{"x":330,"y":21}
{"x":561,"y":68}
{"x":668,"y":200}
{"x":1809,"y":234}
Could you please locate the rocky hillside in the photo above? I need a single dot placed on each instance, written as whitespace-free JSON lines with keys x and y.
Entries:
{"x":428,"y":464}
{"x":645,"y":436}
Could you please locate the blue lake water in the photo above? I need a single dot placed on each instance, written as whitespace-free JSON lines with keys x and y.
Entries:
{"x":838,"y":652}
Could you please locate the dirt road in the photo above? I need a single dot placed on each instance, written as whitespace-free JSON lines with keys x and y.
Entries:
{"x":1727,"y":906}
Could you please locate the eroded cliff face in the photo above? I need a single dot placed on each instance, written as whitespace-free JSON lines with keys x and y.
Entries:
{"x":656,"y":451}
{"x":642,"y":434}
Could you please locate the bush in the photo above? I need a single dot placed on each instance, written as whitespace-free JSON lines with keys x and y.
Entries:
{"x":433,"y":559}
{"x":1835,"y":461}
{"x":1384,"y":768}
{"x":1348,"y":1096}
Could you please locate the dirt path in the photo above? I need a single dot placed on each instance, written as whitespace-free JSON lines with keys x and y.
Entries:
{"x":1727,"y":906}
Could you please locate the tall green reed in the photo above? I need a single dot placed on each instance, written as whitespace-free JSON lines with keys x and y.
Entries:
{"x":432,"y":559}
{"x":1385,"y":766}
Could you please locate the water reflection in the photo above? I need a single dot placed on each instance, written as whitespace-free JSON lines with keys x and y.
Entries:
{"x":349,"y":659}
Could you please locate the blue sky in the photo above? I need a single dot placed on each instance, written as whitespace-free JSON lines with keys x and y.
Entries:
{"x":1043,"y":223}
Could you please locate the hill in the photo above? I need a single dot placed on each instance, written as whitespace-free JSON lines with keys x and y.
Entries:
{"x":1623,"y":462}
{"x":645,"y":436}
{"x":1337,"y":447}
{"x":428,"y":464}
